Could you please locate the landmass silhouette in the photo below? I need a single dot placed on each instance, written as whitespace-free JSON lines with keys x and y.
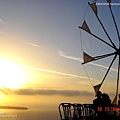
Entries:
{"x":13,"y":107}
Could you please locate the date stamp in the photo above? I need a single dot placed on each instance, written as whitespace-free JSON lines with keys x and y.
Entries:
{"x":108,"y":109}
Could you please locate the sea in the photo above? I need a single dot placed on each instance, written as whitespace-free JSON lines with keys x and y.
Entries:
{"x":29,"y":114}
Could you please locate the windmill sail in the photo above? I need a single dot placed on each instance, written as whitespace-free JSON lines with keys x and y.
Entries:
{"x":94,"y":8}
{"x":85,"y":27}
{"x":87,"y":58}
{"x":97,"y":87}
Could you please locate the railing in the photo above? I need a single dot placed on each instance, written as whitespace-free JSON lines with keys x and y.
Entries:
{"x":76,"y":111}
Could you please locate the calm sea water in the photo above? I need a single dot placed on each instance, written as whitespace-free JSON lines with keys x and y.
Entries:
{"x":28,"y":115}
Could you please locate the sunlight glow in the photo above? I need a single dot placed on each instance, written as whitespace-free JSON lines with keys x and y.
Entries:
{"x":11,"y":74}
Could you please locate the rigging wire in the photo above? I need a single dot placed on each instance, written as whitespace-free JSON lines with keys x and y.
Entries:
{"x":90,"y":27}
{"x":87,"y":75}
{"x":115,"y":23}
{"x":109,"y":26}
{"x":83,"y":50}
{"x":95,"y":50}
{"x":83,"y":65}
{"x":85,"y":44}
{"x":82,"y":42}
{"x":84,"y":14}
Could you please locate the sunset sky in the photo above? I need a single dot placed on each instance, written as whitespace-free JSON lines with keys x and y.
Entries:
{"x":41,"y":56}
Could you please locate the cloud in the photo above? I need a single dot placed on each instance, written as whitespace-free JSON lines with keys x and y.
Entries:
{"x":2,"y":21}
{"x":4,"y":33}
{"x":48,"y":92}
{"x":62,"y":54}
{"x":31,"y":92}
{"x":55,"y":72}
{"x":32,"y":44}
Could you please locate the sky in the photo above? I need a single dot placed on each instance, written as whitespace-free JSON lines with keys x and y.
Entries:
{"x":41,"y":55}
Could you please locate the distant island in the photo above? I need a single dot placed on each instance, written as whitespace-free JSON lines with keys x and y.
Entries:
{"x":13,"y":107}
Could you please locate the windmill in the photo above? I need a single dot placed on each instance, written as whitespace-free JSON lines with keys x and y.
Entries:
{"x":108,"y":41}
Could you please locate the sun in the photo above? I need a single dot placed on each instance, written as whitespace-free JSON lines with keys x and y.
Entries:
{"x":11,"y":74}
